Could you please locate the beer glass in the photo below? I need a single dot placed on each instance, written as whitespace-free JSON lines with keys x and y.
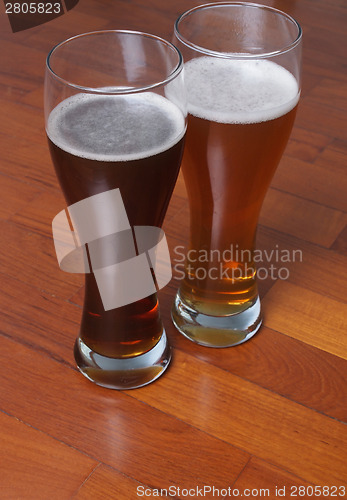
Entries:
{"x":242,"y":74}
{"x":115,"y":118}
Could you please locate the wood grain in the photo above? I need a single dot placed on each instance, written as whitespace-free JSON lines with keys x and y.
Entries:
{"x":268,"y":413}
{"x":105,"y":481}
{"x":323,"y":181}
{"x":144,"y":443}
{"x":281,"y":364}
{"x":10,"y":204}
{"x":306,"y":145}
{"x":264,"y":424}
{"x":23,"y":159}
{"x":35,"y":261}
{"x":38,"y":319}
{"x":284,"y":212}
{"x":265,"y":480}
{"x":315,"y":268}
{"x":34,"y":465}
{"x":307,"y":316}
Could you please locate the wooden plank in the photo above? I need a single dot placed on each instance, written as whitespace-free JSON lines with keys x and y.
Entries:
{"x":340,"y":244}
{"x":151,"y":16}
{"x":34,"y":98}
{"x":10,"y":204}
{"x":30,"y":258}
{"x":11,"y":88}
{"x":106,"y":482}
{"x":27,"y":160}
{"x":265,"y":413}
{"x":331,"y":48}
{"x":27,"y":67}
{"x":329,"y":67}
{"x":288,"y":435}
{"x":280,"y":364}
{"x":323,"y":184}
{"x":334,"y":18}
{"x":321,"y":271}
{"x":318,"y":117}
{"x":39,"y":319}
{"x":330,"y":93}
{"x":308,"y":265}
{"x":34,"y":465}
{"x":266,"y":481}
{"x":21,"y":118}
{"x":305,"y":145}
{"x":39,"y":214}
{"x":43,"y":38}
{"x":307,"y":316}
{"x":339,"y":145}
{"x":276,"y":361}
{"x":111,"y":426}
{"x":333,"y":157}
{"x":301,"y":218}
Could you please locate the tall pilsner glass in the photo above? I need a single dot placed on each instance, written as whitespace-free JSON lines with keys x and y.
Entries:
{"x":242,"y":74}
{"x":115,"y":121}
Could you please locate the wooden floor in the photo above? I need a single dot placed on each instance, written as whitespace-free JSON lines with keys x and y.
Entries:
{"x":266,"y":415}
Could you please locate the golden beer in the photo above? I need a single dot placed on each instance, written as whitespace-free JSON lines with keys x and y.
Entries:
{"x":242,"y":75}
{"x":230,"y":157}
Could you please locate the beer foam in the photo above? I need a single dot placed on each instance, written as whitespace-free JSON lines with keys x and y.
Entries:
{"x":239,"y":91}
{"x":115,"y":127}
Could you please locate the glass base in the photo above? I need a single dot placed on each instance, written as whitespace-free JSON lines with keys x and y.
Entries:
{"x":217,"y":331}
{"x":127,"y":373}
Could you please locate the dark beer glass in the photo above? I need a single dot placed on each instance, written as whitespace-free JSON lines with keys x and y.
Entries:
{"x":242,"y":74}
{"x":115,"y":121}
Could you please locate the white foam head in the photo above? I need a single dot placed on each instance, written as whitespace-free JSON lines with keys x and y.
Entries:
{"x":115,"y":127}
{"x":239,"y":91}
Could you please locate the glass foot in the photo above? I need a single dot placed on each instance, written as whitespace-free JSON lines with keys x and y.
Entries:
{"x":127,"y":373}
{"x":217,"y":331}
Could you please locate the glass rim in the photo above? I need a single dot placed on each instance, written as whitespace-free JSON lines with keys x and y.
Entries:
{"x":109,"y":91}
{"x":237,"y":55}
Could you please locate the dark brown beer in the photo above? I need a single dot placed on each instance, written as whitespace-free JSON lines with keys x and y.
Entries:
{"x":240,"y":117}
{"x":133,"y":143}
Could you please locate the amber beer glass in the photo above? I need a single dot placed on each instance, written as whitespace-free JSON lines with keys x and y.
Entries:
{"x":115,"y":120}
{"x":242,"y":74}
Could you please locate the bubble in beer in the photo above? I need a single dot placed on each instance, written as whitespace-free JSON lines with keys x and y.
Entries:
{"x":239,"y":91}
{"x":115,"y":127}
